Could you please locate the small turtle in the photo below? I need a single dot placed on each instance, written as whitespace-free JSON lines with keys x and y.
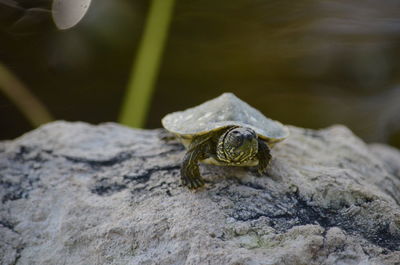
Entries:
{"x":223,"y":131}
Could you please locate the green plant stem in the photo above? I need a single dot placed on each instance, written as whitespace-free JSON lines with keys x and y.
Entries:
{"x":144,"y":72}
{"x":26,"y":102}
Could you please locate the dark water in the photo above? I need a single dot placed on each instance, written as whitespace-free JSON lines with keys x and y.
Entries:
{"x":306,"y":63}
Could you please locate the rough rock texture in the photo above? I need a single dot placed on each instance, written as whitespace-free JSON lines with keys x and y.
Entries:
{"x":73,"y":193}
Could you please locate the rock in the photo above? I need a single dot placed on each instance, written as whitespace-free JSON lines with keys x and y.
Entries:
{"x":73,"y":193}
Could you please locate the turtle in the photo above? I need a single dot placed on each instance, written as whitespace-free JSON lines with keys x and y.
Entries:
{"x":224,"y":131}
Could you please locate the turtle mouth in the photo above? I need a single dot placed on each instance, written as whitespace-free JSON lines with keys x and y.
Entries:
{"x":239,"y":159}
{"x":244,"y":157}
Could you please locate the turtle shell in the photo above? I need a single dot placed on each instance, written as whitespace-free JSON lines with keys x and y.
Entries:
{"x":223,"y":111}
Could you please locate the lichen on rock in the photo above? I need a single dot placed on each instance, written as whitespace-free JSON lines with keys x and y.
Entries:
{"x":74,"y":193}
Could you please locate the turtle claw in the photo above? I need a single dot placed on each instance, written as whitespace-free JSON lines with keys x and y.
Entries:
{"x":262,"y":170}
{"x":192,"y":183}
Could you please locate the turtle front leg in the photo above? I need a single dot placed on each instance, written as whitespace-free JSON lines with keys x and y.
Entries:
{"x":190,"y":173}
{"x":199,"y":149}
{"x":264,"y":156}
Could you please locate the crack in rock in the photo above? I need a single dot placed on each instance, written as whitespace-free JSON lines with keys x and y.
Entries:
{"x":290,"y":210}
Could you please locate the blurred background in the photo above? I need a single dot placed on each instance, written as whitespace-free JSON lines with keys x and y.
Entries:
{"x":306,"y":63}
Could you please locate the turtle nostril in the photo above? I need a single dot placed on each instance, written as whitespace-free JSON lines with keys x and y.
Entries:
{"x":248,"y":136}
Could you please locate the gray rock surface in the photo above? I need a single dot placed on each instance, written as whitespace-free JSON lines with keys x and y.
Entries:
{"x":73,"y":193}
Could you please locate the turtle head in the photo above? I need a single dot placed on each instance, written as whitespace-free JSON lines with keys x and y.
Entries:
{"x":237,"y":145}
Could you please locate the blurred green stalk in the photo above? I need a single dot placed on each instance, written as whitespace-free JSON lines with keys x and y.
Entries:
{"x":26,"y":102}
{"x":145,"y":69}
